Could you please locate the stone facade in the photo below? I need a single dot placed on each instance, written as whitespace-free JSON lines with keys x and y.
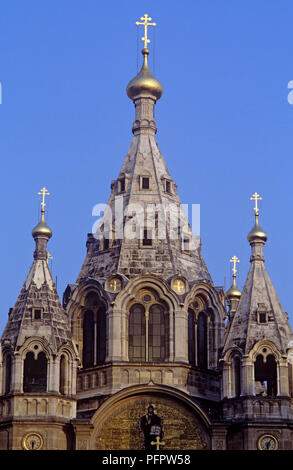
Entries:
{"x":144,"y":323}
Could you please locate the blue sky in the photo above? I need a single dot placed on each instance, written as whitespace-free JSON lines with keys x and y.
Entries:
{"x":224,"y":124}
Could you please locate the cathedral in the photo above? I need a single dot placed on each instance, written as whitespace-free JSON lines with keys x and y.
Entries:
{"x":144,"y":351}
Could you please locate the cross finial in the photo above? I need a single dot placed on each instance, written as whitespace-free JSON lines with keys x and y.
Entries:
{"x":256,"y":197}
{"x":234,"y":260}
{"x":49,"y":257}
{"x":157,"y":443}
{"x":44,"y":192}
{"x":145,"y":22}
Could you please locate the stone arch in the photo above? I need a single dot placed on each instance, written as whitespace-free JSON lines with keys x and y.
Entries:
{"x":210,"y":296}
{"x":35,"y":344}
{"x":67,"y":361}
{"x":90,"y":296}
{"x":259,"y":347}
{"x":136,"y":292}
{"x":231,"y":372}
{"x":6,"y":366}
{"x":266,"y":359}
{"x":206,"y":304}
{"x":146,"y":281}
{"x":36,"y":357}
{"x":186,"y":425}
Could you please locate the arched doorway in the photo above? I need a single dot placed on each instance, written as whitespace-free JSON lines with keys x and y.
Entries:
{"x":116,"y":427}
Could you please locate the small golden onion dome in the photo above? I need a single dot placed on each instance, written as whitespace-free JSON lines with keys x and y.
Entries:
{"x":233,"y":292}
{"x":42,"y":229}
{"x":144,"y":83}
{"x":257,"y":233}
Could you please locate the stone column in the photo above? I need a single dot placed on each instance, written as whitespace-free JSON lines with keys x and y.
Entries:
{"x":247,"y":377}
{"x":17,"y":374}
{"x":219,"y":437}
{"x":83,"y":429}
{"x":283,"y":389}
{"x":53,"y":374}
{"x":181,"y":340}
{"x":114,"y":338}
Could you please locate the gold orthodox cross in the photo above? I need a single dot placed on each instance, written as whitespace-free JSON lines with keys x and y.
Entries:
{"x":179,"y":286}
{"x":44,"y":192}
{"x":115,"y":284}
{"x":234,"y":260}
{"x":145,"y":23}
{"x":256,"y":197}
{"x":49,"y":257}
{"x":157,"y":443}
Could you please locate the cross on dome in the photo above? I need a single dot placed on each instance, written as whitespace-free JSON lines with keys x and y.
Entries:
{"x":145,"y":22}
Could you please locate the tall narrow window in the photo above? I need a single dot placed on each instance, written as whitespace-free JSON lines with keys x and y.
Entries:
{"x":62,"y":381}
{"x":101,"y":335}
{"x":145,"y":183}
{"x":35,"y":373}
{"x":7,"y":377}
{"x":202,"y":343}
{"x":136,"y":335}
{"x":236,"y":376}
{"x":185,"y":243}
{"x":147,"y":237}
{"x":191,"y":337}
{"x":265,"y":375}
{"x":106,"y":243}
{"x":156,"y":336}
{"x":122,"y":185}
{"x":88,"y":339}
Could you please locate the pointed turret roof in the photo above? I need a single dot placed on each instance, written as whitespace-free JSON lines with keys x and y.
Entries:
{"x":259,"y":314}
{"x":38,"y":310}
{"x":144,"y":196}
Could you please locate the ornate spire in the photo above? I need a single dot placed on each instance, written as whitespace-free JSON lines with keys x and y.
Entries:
{"x":257,"y":233}
{"x":42,"y":233}
{"x":144,"y":186}
{"x":247,"y":325}
{"x":233,"y":292}
{"x":256,"y":237}
{"x":39,"y":292}
{"x":144,"y":89}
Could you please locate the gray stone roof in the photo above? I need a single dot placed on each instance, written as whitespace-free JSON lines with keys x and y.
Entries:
{"x":165,"y":257}
{"x":38,"y":292}
{"x":258,"y":297}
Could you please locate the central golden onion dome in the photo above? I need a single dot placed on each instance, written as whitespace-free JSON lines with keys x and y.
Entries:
{"x":144,"y":83}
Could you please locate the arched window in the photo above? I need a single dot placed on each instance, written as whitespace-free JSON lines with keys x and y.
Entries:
{"x":7,"y":372}
{"x":35,"y":373}
{"x":236,"y":376}
{"x":63,"y":372}
{"x":156,"y":334}
{"x":101,"y":335}
{"x":136,"y":336}
{"x":265,"y":375}
{"x":202,"y":343}
{"x":88,"y":339}
{"x":191,"y":337}
{"x":94,"y":331}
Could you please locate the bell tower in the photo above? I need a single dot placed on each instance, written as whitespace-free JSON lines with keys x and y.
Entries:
{"x":38,"y":360}
{"x":256,"y":357}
